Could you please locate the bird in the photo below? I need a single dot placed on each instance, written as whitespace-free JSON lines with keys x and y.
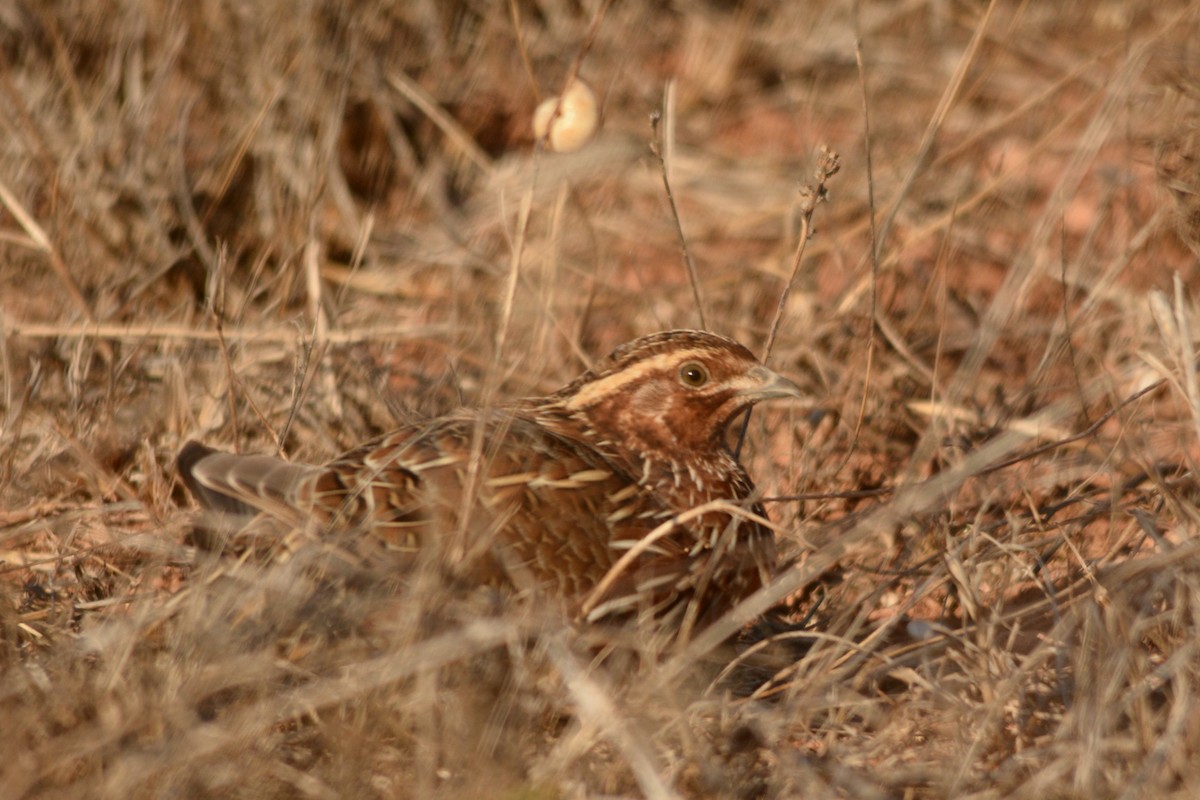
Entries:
{"x":616,"y":496}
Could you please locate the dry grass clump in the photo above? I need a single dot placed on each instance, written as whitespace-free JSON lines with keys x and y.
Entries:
{"x":284,"y":227}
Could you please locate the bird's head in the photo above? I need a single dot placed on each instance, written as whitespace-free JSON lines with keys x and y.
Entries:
{"x":672,"y":393}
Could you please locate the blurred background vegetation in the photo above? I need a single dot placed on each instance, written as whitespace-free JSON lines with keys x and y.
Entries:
{"x":292,"y":225}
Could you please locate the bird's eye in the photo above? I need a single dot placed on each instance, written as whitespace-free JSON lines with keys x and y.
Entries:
{"x":693,"y":374}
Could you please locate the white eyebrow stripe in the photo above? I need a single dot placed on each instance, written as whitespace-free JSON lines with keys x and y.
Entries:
{"x":602,"y":387}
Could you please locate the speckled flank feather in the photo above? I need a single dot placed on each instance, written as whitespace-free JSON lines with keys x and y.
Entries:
{"x":565,"y":486}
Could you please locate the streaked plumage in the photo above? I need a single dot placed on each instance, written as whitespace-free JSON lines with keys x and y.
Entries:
{"x":563,"y":486}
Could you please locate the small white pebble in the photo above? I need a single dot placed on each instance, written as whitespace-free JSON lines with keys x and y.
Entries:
{"x":576,"y":122}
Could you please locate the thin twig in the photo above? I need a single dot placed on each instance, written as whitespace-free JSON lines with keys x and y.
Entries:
{"x":868,"y":367}
{"x":271,"y":335}
{"x":40,"y":241}
{"x":216,"y":306}
{"x":828,"y":165}
{"x":999,"y":465}
{"x":416,"y":94}
{"x":657,"y":147}
{"x":597,"y":708}
{"x":515,"y":13}
{"x":949,"y":97}
{"x":585,"y":46}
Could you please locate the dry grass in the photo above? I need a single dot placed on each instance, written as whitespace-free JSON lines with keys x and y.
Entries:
{"x":279,"y":225}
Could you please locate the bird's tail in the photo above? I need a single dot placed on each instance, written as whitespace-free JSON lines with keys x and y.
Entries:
{"x":242,"y":485}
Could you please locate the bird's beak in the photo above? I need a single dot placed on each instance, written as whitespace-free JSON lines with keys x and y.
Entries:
{"x":765,"y":384}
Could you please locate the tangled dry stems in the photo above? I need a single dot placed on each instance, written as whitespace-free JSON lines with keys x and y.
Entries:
{"x":291,"y":230}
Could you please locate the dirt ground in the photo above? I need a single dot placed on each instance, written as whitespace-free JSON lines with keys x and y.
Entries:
{"x":286,"y":227}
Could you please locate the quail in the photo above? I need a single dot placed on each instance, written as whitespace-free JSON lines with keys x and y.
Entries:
{"x":616,"y":495}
